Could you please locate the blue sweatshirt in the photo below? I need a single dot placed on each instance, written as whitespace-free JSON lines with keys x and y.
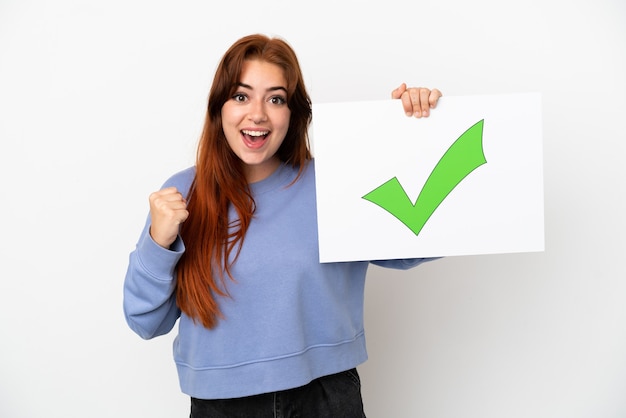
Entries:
{"x":289,"y":318}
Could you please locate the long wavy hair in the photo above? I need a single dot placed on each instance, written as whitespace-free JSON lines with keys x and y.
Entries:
{"x":213,"y":242}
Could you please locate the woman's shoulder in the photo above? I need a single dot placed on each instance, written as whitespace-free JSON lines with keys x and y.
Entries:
{"x":309,"y":167}
{"x":181,"y":180}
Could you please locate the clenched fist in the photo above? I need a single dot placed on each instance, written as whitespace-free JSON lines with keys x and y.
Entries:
{"x":168,"y":209}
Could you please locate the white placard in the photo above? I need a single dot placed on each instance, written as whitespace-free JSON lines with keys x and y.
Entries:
{"x":476,"y":165}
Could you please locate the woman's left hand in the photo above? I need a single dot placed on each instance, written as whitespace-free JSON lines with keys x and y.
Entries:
{"x":416,"y":101}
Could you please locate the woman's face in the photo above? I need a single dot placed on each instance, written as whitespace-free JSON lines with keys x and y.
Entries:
{"x":256,"y":118}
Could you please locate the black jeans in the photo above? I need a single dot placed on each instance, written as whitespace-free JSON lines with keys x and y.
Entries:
{"x":334,"y":396}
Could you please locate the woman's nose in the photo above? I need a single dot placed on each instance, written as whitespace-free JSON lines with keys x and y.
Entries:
{"x":257,"y":112}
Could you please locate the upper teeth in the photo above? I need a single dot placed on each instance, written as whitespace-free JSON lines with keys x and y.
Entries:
{"x":255,"y":133}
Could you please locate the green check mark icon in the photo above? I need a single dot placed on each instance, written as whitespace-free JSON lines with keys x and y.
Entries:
{"x":464,"y":156}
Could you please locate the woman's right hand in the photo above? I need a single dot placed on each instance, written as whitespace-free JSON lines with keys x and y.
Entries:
{"x":168,"y":209}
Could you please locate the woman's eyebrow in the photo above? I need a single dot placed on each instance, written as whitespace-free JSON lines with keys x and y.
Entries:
{"x":247,"y":86}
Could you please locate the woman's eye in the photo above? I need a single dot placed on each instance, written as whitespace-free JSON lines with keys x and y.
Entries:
{"x":278,"y":100}
{"x":239,"y":97}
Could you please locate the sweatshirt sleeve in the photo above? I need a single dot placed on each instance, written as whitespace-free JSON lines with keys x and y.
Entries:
{"x":149,"y":287}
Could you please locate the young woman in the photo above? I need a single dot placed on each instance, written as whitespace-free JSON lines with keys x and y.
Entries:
{"x":231,"y":250}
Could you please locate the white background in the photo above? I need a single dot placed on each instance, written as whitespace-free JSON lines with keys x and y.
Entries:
{"x":101,"y":101}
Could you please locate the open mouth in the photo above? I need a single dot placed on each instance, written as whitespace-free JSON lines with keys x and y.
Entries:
{"x":254,"y":138}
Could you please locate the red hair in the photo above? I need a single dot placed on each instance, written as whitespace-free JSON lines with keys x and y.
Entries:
{"x":211,"y":241}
